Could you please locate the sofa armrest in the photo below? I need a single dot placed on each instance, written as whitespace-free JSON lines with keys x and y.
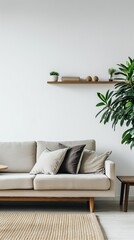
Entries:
{"x":110,"y":173}
{"x":110,"y":169}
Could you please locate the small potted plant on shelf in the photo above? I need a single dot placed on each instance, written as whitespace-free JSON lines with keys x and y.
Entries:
{"x":54,"y":76}
{"x":111,"y":72}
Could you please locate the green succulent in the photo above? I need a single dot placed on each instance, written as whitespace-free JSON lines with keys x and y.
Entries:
{"x":54,"y":73}
{"x":118,"y":105}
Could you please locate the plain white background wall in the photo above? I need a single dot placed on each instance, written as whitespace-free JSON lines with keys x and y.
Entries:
{"x":76,"y":38}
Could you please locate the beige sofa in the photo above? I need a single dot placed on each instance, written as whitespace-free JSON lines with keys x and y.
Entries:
{"x":16,"y":184}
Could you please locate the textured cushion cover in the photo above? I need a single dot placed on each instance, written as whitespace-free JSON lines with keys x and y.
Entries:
{"x":71,"y":182}
{"x":49,"y":162}
{"x":16,"y":181}
{"x":18,"y":156}
{"x":92,"y":162}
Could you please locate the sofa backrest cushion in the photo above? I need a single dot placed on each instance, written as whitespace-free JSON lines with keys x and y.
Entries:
{"x":42,"y":145}
{"x":18,"y":156}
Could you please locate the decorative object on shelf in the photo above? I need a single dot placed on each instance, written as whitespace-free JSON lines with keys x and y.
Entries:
{"x":70,"y":79}
{"x":95,"y":79}
{"x":111,"y":72}
{"x":54,"y":76}
{"x":118,"y":105}
{"x":88,"y":78}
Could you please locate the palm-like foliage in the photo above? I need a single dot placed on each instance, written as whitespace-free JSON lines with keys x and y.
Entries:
{"x":118,"y":105}
{"x":127,"y":70}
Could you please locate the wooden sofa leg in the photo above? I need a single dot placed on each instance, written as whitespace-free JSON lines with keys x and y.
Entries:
{"x":91,"y":204}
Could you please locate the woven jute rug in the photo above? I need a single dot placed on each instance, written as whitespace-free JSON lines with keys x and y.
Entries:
{"x":39,"y":225}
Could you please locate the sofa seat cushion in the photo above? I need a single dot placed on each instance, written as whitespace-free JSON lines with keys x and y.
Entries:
{"x":16,"y":181}
{"x":71,"y":182}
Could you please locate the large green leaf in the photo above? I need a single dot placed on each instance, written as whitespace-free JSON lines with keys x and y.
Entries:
{"x":100,"y":104}
{"x":101,"y":96}
{"x":130,"y":59}
{"x":123,"y":66}
{"x":100,"y":111}
{"x":128,"y":104}
{"x":126,"y":138}
{"x":121,"y":73}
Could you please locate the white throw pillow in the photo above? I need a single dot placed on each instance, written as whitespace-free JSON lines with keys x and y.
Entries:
{"x":49,"y":162}
{"x":92,"y":162}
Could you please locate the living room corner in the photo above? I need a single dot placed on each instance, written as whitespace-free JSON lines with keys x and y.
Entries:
{"x":46,"y":120}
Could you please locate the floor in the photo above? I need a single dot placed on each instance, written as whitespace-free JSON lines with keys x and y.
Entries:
{"x":115,"y":223}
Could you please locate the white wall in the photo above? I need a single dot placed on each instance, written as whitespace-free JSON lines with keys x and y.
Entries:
{"x":78,"y":38}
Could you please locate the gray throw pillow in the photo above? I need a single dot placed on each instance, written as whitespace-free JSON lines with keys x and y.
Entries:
{"x":72,"y":158}
{"x":92,"y":162}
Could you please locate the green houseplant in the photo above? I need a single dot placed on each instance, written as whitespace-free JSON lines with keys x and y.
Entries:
{"x":54,"y":76}
{"x":118,"y":105}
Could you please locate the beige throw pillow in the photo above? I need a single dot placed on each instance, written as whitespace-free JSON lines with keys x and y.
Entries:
{"x":92,"y":162}
{"x":49,"y":162}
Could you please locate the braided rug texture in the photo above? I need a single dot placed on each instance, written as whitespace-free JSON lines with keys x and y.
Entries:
{"x":39,"y":225}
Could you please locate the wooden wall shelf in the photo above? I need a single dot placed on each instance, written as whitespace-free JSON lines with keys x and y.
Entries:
{"x":84,"y":82}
